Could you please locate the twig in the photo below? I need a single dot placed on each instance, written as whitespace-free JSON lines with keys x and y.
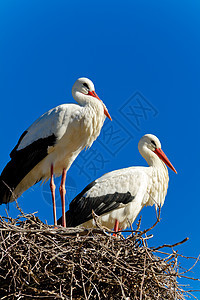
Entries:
{"x":171,"y":246}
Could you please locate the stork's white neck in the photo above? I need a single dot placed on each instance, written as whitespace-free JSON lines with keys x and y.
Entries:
{"x":153,"y":160}
{"x":93,"y":119}
{"x":159,"y":176}
{"x":81,"y":98}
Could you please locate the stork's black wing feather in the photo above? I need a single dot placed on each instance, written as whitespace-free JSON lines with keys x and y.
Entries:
{"x":14,"y":151}
{"x":80,"y":210}
{"x":21,"y":163}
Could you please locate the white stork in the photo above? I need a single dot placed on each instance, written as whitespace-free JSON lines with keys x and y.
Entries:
{"x":118,"y":197}
{"x":51,"y":144}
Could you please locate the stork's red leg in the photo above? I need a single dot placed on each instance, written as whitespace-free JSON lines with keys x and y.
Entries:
{"x":116,"y":228}
{"x":53,"y":187}
{"x":62,"y":195}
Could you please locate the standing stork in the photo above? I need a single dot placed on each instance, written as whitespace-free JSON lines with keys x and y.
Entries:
{"x":51,"y":144}
{"x":118,"y":197}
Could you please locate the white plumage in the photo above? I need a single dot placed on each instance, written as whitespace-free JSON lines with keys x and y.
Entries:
{"x":117,"y":197}
{"x":51,"y":144}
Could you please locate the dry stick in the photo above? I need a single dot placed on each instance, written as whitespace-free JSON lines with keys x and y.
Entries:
{"x":191,"y":266}
{"x":83,"y":284}
{"x":103,"y":228}
{"x":181,"y":255}
{"x":142,"y":282}
{"x":171,"y":246}
{"x":157,"y":221}
{"x":94,"y":287}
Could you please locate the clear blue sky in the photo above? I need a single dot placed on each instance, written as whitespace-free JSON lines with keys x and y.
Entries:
{"x":138,"y":54}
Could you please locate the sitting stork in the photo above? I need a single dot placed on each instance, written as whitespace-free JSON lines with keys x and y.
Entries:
{"x":118,"y":197}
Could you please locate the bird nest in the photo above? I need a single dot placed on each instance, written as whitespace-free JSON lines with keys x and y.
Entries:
{"x":44,"y":262}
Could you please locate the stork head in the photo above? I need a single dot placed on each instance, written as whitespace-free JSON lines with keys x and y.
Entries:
{"x":150,"y":148}
{"x":83,"y":91}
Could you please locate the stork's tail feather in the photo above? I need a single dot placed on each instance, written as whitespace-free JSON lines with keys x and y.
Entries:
{"x":8,"y":182}
{"x":5,"y":191}
{"x":69,"y":220}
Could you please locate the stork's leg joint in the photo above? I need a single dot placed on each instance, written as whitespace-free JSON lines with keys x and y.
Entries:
{"x":62,"y":189}
{"x":52,"y":186}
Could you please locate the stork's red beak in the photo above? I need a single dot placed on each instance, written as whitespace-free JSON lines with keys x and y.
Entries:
{"x":164,"y":158}
{"x":106,"y":113}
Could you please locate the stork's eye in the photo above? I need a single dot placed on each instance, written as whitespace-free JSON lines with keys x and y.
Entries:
{"x":86,"y":85}
{"x":153,"y":143}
